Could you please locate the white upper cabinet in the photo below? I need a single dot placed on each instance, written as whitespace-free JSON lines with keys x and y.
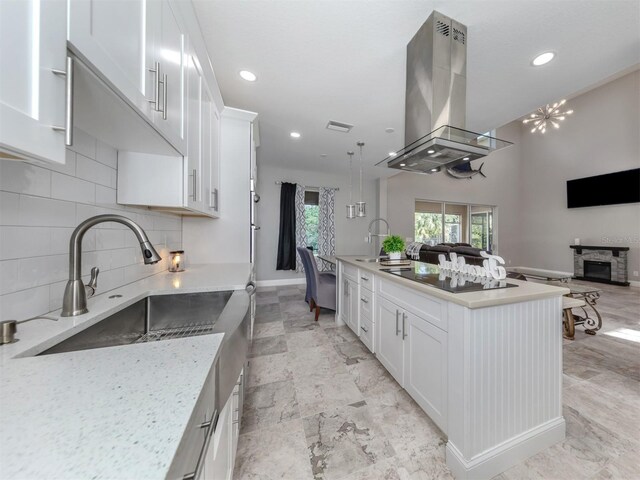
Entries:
{"x":32,"y":96}
{"x":111,"y":36}
{"x":210,"y":153}
{"x":137,"y":48}
{"x":193,"y":188}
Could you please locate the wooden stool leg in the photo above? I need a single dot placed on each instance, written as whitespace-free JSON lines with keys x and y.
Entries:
{"x":569,"y":324}
{"x":317,"y":312}
{"x":311,"y":304}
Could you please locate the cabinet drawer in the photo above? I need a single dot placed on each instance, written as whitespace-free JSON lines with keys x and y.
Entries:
{"x":350,"y":271}
{"x":431,"y":309}
{"x":366,"y":280}
{"x":366,"y":303}
{"x":366,"y":331}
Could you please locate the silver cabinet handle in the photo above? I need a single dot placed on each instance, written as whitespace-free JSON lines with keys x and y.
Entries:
{"x":365,"y":279}
{"x":215,"y":199}
{"x":164,"y":96}
{"x":404,"y":317}
{"x":68,"y":109}
{"x":194,"y":183}
{"x":364,"y":300}
{"x":156,"y":83}
{"x":363,"y":329}
{"x":397,"y":316}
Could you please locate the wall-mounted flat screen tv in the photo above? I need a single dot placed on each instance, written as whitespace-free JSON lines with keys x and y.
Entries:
{"x":609,"y":189}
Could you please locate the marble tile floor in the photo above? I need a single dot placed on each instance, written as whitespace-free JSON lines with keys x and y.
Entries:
{"x":319,"y":406}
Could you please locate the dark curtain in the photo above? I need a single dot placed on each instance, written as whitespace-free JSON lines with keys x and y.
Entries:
{"x":287,"y":235}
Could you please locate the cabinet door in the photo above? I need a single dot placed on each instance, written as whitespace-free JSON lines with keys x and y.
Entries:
{"x":389,"y":336}
{"x":32,"y":97}
{"x":193,"y":176}
{"x":425,"y":379}
{"x":112,"y":37}
{"x":354,"y":304}
{"x":170,"y":52}
{"x":221,"y":463}
{"x":210,"y":142}
{"x":344,"y":302}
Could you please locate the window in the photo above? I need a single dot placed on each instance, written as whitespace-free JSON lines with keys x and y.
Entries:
{"x":438,"y":222}
{"x":311,"y":214}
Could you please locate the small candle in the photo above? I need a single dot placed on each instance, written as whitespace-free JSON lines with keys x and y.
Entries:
{"x":177,"y":261}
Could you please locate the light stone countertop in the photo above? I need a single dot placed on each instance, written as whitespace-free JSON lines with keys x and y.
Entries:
{"x":524,"y":291}
{"x":116,"y":412}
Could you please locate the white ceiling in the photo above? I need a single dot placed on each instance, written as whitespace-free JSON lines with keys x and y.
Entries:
{"x":345,"y":60}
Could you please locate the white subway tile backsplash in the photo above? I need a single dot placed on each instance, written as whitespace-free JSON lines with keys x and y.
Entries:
{"x":107,"y":155}
{"x":93,"y":171}
{"x":46,"y":212}
{"x":105,"y":195}
{"x":22,"y":242}
{"x":9,"y":203}
{"x":40,"y":206}
{"x":21,"y":177}
{"x":25,"y":303}
{"x":73,"y":189}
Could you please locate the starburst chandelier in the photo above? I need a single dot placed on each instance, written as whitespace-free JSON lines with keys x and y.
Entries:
{"x":550,"y":114}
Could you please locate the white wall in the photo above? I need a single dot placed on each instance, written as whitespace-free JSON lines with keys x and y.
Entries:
{"x":39,"y":208}
{"x":602,"y":136}
{"x":501,"y":188}
{"x":350,"y":234}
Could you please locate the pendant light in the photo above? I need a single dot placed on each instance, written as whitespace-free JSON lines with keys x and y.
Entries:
{"x":361,"y":206}
{"x":351,"y":208}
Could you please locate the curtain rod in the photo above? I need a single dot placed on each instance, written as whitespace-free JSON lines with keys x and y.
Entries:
{"x":308,"y":186}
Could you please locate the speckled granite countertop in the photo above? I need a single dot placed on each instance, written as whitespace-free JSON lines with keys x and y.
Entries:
{"x":526,"y":290}
{"x":108,"y":413}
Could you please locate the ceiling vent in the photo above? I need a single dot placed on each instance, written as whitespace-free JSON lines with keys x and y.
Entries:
{"x":339,"y":126}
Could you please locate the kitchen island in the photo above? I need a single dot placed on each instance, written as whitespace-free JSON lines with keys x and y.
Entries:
{"x":486,"y":366}
{"x":129,"y":411}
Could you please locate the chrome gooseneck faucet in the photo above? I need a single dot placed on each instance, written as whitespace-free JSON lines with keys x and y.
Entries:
{"x":74,"y":301}
{"x":371,"y":234}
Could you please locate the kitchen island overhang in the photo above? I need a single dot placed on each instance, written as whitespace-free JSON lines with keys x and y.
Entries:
{"x":485,"y":366}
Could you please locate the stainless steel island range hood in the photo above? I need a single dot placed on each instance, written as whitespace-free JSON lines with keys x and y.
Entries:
{"x":435,"y":102}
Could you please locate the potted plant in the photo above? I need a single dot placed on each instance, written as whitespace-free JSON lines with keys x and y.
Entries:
{"x":393,"y":246}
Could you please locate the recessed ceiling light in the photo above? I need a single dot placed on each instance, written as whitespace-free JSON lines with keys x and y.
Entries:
{"x":434,"y":169}
{"x":392,"y":154}
{"x":543,"y":58}
{"x":390,"y":130}
{"x":248,"y":76}
{"x":403,"y":164}
{"x":295,"y":135}
{"x":431,"y":151}
{"x":466,"y":159}
{"x":323,"y":155}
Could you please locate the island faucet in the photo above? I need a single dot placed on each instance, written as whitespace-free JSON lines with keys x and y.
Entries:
{"x":74,"y":301}
{"x":371,"y":234}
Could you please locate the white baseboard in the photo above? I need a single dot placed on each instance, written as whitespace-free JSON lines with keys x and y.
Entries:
{"x":634,"y":283}
{"x":504,"y":456}
{"x":279,"y":283}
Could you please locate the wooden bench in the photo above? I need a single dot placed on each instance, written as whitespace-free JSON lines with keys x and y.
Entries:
{"x":567,"y":316}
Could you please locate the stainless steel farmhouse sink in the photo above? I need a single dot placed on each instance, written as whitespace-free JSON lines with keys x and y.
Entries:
{"x":153,"y":318}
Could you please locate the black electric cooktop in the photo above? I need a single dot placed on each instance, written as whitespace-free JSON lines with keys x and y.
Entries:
{"x":451,"y":282}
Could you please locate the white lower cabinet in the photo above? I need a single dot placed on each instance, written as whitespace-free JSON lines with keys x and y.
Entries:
{"x":219,"y":459}
{"x":425,"y":366}
{"x":389,"y":345}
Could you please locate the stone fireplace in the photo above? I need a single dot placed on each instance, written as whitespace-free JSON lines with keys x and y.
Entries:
{"x":600,"y":264}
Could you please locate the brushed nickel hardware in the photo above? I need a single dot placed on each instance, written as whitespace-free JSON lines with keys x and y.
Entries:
{"x":164,"y":96}
{"x":404,"y":318}
{"x":194,"y":183}
{"x":214,"y":194}
{"x":363,"y":329}
{"x":156,"y":93}
{"x":74,"y":301}
{"x":205,"y":424}
{"x":364,"y":278}
{"x":250,"y":289}
{"x":256,"y":198}
{"x":255,"y":227}
{"x":68,"y":108}
{"x":364,"y":300}
{"x":92,"y":286}
{"x":114,"y":296}
{"x":9,"y":328}
{"x":397,"y":319}
{"x":381,"y":235}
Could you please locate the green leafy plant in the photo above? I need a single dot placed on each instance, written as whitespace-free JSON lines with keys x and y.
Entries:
{"x":394,"y":243}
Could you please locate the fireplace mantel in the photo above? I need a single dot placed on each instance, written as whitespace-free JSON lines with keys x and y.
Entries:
{"x":591,"y":247}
